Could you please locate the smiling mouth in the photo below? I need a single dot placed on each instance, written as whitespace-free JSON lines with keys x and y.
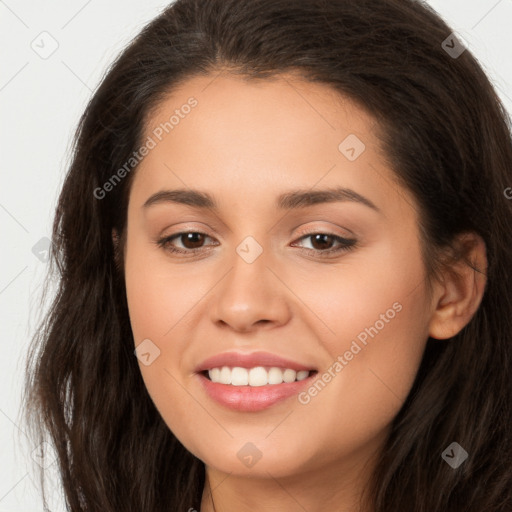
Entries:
{"x":255,"y":377}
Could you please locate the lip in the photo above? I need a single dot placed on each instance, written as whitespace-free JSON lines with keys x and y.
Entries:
{"x":251,"y":398}
{"x":251,"y":360}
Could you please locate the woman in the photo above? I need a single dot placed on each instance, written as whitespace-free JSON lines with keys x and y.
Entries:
{"x":206,"y":350}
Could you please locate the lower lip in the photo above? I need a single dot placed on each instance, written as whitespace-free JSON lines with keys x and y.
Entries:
{"x":252,"y":398}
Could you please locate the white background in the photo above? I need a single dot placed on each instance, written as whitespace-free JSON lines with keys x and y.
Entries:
{"x":41,"y":101}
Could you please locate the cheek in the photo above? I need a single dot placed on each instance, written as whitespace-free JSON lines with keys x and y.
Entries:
{"x":159,"y":297}
{"x":373,"y":295}
{"x":378,"y":329}
{"x":158,"y":302}
{"x":355,"y":399}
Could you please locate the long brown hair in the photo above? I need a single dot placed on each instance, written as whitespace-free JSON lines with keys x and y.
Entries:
{"x":446,"y":136}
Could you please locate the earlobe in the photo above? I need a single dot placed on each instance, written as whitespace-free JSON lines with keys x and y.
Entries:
{"x":462,"y":288}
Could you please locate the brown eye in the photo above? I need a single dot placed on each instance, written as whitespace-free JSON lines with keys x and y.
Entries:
{"x":190,"y":241}
{"x":322,"y":243}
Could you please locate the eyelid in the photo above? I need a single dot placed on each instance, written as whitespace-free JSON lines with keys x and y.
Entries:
{"x":301,"y":233}
{"x":326,"y":231}
{"x":307,"y":231}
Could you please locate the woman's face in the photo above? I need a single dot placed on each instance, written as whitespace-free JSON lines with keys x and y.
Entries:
{"x":265,"y":276}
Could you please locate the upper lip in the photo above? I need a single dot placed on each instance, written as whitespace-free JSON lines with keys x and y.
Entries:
{"x":250,"y":360}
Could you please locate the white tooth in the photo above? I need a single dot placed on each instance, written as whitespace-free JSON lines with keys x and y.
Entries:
{"x":275,"y":376}
{"x":258,"y":376}
{"x":302,"y":374}
{"x":239,"y":376}
{"x":225,"y":375}
{"x":289,"y":375}
{"x":214,"y":374}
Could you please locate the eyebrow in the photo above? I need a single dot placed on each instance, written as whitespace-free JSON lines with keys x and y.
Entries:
{"x":293,"y":199}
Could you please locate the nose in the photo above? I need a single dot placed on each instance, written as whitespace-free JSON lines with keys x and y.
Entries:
{"x":251,"y":297}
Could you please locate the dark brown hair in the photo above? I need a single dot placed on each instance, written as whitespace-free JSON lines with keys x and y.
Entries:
{"x":447,"y":137}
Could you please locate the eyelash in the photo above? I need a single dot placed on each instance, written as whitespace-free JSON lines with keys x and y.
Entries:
{"x":347,"y":244}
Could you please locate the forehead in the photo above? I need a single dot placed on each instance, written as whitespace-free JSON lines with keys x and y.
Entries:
{"x":252,"y":137}
{"x":284,"y":101}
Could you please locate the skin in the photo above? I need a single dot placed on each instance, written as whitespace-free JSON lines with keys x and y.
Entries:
{"x":245,"y":143}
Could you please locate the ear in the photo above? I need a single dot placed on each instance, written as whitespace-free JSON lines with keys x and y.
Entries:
{"x":459,"y":293}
